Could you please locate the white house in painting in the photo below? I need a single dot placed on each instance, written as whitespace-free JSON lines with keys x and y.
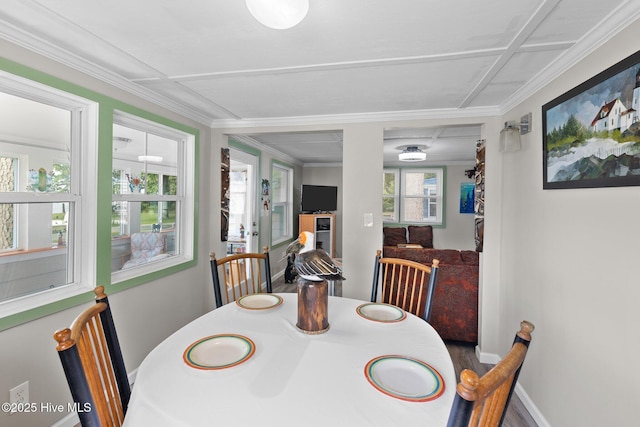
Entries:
{"x":635,"y":102}
{"x":614,"y":115}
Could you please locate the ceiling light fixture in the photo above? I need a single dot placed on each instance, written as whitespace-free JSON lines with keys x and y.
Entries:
{"x":278,"y":14}
{"x":412,"y":154}
{"x":149,"y":158}
{"x":120,"y":142}
{"x":146,"y":157}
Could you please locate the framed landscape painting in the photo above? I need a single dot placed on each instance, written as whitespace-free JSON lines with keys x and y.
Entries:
{"x":591,"y":134}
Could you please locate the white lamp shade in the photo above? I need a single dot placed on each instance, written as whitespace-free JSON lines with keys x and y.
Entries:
{"x":278,"y":14}
{"x":510,"y":139}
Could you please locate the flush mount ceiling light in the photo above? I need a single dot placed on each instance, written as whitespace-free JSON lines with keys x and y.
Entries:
{"x":412,"y":153}
{"x":146,"y":157}
{"x":149,"y":158}
{"x":120,"y":142}
{"x":278,"y":14}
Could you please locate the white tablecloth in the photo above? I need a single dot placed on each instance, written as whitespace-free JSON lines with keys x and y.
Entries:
{"x":293,"y":379}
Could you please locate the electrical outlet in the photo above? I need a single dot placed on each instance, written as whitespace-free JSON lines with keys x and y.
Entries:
{"x":20,"y":394}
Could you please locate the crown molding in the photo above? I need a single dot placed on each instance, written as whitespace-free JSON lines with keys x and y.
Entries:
{"x":55,"y":53}
{"x":385,"y":116}
{"x":247,"y":140}
{"x":323,"y":165}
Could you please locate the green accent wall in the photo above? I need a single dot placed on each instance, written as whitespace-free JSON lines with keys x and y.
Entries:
{"x":106,"y":107}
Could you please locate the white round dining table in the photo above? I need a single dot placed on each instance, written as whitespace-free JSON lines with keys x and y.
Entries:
{"x":291,"y":378}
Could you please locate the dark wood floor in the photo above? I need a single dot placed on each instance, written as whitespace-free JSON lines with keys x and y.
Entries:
{"x":463,"y":356}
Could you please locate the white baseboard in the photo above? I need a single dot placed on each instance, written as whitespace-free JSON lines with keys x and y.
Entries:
{"x":72,"y":419}
{"x":531,"y":407}
{"x":277,"y":275}
{"x":492,"y":359}
{"x":489,"y":358}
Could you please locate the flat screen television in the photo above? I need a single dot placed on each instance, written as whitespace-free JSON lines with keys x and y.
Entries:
{"x":319,"y":198}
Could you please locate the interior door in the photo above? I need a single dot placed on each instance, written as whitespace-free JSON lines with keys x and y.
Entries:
{"x":243,"y":201}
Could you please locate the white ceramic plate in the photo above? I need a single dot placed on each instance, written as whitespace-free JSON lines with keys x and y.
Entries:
{"x":259,"y":301}
{"x":404,"y":378}
{"x":219,"y":351}
{"x":378,"y":312}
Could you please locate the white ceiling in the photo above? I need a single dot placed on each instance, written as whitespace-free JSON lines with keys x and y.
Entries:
{"x":346,"y":61}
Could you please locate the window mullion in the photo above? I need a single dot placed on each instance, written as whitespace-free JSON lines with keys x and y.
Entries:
{"x":146,"y":198}
{"x":24,"y":197}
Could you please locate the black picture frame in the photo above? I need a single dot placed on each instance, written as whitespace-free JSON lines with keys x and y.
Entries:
{"x":591,"y":134}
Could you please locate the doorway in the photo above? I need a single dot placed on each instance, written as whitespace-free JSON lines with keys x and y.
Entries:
{"x":243,"y":222}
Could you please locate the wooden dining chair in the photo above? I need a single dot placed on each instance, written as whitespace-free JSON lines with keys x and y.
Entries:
{"x":242,"y":274}
{"x":93,"y":365}
{"x":405,"y":284}
{"x":483,"y":401}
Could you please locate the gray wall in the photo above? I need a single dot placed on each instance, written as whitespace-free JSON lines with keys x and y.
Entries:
{"x":566,"y":261}
{"x":331,"y":175}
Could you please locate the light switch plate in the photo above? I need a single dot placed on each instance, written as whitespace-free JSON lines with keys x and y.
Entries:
{"x":368,"y":220}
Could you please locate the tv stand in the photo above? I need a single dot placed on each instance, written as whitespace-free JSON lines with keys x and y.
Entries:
{"x":323,"y":227}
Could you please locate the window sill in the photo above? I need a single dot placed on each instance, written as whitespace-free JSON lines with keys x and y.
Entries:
{"x":30,"y":251}
{"x":18,"y":310}
{"x":148,"y":268}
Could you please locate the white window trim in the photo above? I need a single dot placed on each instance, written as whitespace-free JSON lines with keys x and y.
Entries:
{"x":288,"y":235}
{"x":400,"y":195}
{"x":440,"y":196}
{"x":185,"y":233}
{"x":84,"y":137}
{"x":396,"y":194}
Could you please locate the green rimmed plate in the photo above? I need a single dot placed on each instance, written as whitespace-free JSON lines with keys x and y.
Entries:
{"x":404,"y":378}
{"x":379,"y":312}
{"x":219,"y":352}
{"x":259,"y":301}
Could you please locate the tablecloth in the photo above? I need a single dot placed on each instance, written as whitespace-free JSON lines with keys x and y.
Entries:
{"x":293,"y":378}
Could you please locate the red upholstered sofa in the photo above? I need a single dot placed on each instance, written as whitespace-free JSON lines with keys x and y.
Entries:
{"x":455,"y":305}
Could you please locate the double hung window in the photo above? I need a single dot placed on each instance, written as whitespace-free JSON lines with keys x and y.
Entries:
{"x":282,"y":203}
{"x":152,"y":196}
{"x":54,"y":218}
{"x":47,"y":218}
{"x":413,"y":196}
{"x":390,"y":195}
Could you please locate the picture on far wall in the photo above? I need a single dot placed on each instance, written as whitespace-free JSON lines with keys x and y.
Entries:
{"x":467,"y":199}
{"x":591,"y":134}
{"x":479,"y":196}
{"x":266,"y":209}
{"x":225,"y":162}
